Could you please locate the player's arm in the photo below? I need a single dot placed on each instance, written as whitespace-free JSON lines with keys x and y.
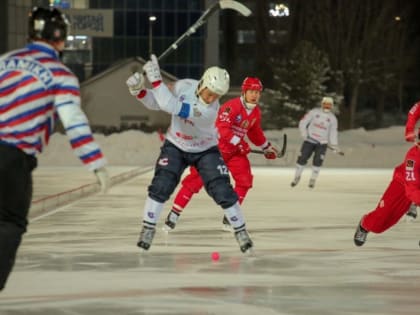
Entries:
{"x":165,"y":99}
{"x":256,"y":134}
{"x":76,"y":125}
{"x":224,"y":122}
{"x":77,"y":128}
{"x":303,"y":124}
{"x":412,"y":118}
{"x":333,"y":134}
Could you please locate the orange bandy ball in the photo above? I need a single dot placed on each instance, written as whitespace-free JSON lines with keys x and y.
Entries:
{"x":215,"y":256}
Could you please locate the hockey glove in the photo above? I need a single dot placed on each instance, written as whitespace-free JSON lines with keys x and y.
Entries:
{"x":103,"y":179}
{"x":135,"y":83}
{"x":270,"y":152}
{"x":152,"y":71}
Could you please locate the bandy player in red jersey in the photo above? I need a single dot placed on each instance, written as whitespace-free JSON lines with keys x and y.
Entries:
{"x":410,"y":136}
{"x":237,"y":118}
{"x":403,"y":190}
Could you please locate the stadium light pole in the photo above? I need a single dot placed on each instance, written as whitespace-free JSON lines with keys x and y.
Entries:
{"x":152,"y":18}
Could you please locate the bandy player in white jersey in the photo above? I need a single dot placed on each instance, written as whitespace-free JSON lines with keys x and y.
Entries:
{"x":191,"y":140}
{"x":318,"y":128}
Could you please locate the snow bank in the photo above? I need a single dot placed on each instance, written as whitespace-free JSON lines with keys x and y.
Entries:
{"x":382,"y":148}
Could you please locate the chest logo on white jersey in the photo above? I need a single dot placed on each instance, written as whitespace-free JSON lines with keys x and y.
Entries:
{"x":196,"y":112}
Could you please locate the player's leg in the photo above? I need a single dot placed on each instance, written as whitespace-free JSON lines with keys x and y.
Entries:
{"x":305,"y":153}
{"x":190,"y":185}
{"x":411,"y":214}
{"x":240,"y":170}
{"x":319,"y":156}
{"x":15,"y":198}
{"x":168,"y":169}
{"x":392,"y":206}
{"x":215,"y":175}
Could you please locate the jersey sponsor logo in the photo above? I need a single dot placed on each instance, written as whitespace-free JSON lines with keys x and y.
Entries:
{"x":238,"y":118}
{"x":245,"y":124}
{"x":183,"y":136}
{"x":34,"y":67}
{"x":196,"y":112}
{"x":182,"y":98}
{"x":409,"y":165}
{"x":188,"y":122}
{"x":163,"y":161}
{"x":320,"y":126}
{"x":150,"y":214}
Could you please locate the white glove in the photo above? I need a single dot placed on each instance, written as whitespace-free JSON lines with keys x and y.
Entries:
{"x":103,"y":179}
{"x":135,"y":83}
{"x":152,"y":70}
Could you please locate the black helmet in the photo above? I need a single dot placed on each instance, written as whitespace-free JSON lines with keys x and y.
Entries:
{"x":48,"y":24}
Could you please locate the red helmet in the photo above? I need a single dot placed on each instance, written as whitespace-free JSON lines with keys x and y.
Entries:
{"x":251,"y":83}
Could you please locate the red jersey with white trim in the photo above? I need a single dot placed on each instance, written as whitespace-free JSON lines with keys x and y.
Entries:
{"x":35,"y":88}
{"x":409,"y":173}
{"x":234,"y":121}
{"x":412,"y":118}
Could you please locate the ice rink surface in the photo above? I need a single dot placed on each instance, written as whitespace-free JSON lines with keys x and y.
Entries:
{"x":82,"y":258}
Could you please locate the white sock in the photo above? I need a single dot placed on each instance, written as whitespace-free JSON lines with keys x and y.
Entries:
{"x":299,"y":170}
{"x":152,"y":211}
{"x":315,"y":172}
{"x":235,"y":217}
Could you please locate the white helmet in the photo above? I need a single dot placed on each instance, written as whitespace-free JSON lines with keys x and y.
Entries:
{"x":327,"y":104}
{"x":216,"y":80}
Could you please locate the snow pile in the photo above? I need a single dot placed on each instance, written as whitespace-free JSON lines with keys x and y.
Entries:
{"x":382,"y":148}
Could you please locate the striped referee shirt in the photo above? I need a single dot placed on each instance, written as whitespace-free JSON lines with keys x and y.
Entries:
{"x":35,"y":89}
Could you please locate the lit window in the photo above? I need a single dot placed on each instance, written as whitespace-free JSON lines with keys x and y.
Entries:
{"x":278,"y":10}
{"x":246,"y":37}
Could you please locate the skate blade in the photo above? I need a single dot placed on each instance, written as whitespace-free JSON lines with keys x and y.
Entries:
{"x":166,"y":229}
{"x":409,"y":219}
{"x":250,"y":253}
{"x":227,"y":228}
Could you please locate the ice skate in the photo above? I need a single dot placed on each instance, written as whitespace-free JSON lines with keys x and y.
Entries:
{"x":146,"y":237}
{"x":244,"y":241}
{"x":411,"y":214}
{"x":312,"y":183}
{"x":360,"y":235}
{"x":170,"y":221}
{"x":226,"y":225}
{"x":295,"y":182}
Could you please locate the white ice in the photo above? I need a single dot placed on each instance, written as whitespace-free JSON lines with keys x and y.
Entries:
{"x":82,"y":258}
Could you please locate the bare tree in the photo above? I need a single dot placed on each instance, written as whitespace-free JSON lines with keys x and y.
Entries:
{"x":365,"y":45}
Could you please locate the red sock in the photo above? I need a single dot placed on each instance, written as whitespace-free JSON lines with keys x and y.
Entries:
{"x":182,"y":198}
{"x":241,"y":192}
